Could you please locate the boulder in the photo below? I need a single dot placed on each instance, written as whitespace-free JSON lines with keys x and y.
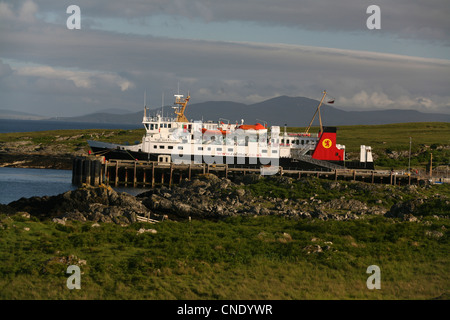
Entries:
{"x":86,"y":203}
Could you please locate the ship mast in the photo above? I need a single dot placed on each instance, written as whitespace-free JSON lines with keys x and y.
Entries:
{"x":182,"y":103}
{"x":318,"y":111}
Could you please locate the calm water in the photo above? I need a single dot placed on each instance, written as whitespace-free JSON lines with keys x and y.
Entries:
{"x":43,"y":125}
{"x":16,"y":183}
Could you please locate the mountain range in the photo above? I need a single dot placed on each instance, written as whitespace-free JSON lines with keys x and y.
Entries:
{"x":283,"y":110}
{"x":17,"y":115}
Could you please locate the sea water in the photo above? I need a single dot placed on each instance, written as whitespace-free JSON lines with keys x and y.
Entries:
{"x":16,"y":183}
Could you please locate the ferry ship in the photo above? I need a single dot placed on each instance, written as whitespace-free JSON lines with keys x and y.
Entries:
{"x":178,"y":140}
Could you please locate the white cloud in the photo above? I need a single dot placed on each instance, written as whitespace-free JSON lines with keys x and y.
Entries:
{"x":81,"y":79}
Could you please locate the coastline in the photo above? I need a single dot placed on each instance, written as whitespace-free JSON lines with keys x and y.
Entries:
{"x":37,"y":160}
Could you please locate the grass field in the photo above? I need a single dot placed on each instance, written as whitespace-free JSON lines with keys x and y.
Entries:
{"x":260,"y":257}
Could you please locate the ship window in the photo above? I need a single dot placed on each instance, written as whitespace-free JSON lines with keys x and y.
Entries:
{"x":219,"y":149}
{"x":156,"y":126}
{"x":169,"y":125}
{"x":264,"y":151}
{"x":274,"y":151}
{"x":146,"y":126}
{"x":230,"y":149}
{"x":161,"y":147}
{"x":282,"y":140}
{"x":180,"y":147}
{"x":303,"y":142}
{"x":151,"y":126}
{"x":154,"y":147}
{"x":200,"y":148}
{"x":170,"y":147}
{"x":209,"y":148}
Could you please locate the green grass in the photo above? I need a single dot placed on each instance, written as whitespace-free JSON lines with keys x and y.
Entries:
{"x":236,"y":258}
{"x":72,"y":140}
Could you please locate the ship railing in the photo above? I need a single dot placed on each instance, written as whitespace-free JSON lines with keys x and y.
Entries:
{"x":158,"y":119}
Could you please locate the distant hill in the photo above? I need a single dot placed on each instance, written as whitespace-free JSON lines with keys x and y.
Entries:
{"x":292,"y":111}
{"x":103,"y":117}
{"x":114,"y":111}
{"x":17,"y":115}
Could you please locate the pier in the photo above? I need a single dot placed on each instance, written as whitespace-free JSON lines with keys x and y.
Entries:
{"x":95,"y":170}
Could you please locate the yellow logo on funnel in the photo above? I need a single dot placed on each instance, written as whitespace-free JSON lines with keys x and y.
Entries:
{"x":327,"y":143}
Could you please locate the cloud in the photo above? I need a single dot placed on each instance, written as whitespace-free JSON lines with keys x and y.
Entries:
{"x":422,"y":19}
{"x":81,"y":79}
{"x":88,"y":69}
{"x":25,"y":14}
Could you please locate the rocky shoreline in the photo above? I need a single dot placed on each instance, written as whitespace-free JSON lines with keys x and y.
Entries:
{"x":211,"y":197}
{"x":37,"y":160}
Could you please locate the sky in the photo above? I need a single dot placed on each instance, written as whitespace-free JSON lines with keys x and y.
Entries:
{"x":224,"y":50}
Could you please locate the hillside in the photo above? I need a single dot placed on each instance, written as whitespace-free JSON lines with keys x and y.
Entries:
{"x":11,"y":114}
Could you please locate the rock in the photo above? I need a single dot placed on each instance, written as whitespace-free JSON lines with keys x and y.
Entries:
{"x":74,"y":215}
{"x":59,"y":221}
{"x":182,"y":208}
{"x":312,"y":249}
{"x":240,"y":193}
{"x":86,"y":203}
{"x":409,"y":217}
{"x":26,"y":215}
{"x":434,"y":234}
{"x":142,"y":230}
{"x":286,"y":236}
{"x":399,"y":209}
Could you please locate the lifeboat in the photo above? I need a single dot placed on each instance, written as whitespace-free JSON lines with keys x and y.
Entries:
{"x":214,"y":132}
{"x":257,"y":126}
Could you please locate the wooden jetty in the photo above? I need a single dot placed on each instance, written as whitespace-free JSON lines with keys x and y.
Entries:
{"x":95,"y":170}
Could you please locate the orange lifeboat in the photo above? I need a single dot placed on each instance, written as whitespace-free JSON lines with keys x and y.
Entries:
{"x":257,"y":126}
{"x":214,"y":132}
